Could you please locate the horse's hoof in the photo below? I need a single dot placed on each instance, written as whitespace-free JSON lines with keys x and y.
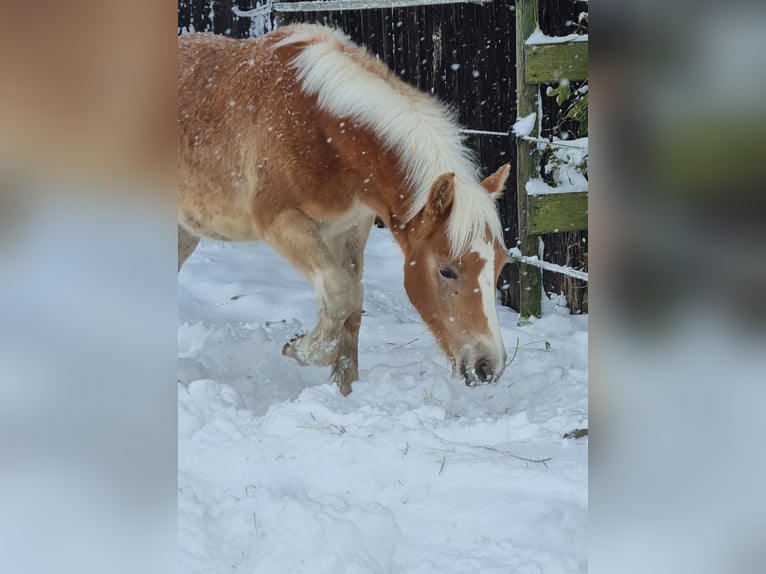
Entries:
{"x":307,"y":351}
{"x":345,"y":372}
{"x":291,"y":349}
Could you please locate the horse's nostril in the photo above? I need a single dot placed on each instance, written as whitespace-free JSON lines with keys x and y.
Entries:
{"x":480,"y":372}
{"x":483,"y":369}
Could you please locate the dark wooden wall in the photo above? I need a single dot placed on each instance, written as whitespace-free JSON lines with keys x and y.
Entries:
{"x":463,"y":54}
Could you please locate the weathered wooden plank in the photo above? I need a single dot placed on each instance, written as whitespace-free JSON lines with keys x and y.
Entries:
{"x":557,"y":212}
{"x":548,"y":63}
{"x":530,"y":278}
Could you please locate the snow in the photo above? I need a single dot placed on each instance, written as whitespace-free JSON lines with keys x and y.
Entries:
{"x":524,"y":126}
{"x":566,"y":165}
{"x":536,"y":261}
{"x":539,"y":37}
{"x":537,"y":186}
{"x":413,"y":472}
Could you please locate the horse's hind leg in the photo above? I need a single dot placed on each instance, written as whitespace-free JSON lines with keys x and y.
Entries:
{"x":187,"y":242}
{"x":297,"y":238}
{"x":349,"y":252}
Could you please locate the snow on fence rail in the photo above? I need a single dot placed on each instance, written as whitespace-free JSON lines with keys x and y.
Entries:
{"x":515,"y":256}
{"x":509,"y":133}
{"x":336,"y":5}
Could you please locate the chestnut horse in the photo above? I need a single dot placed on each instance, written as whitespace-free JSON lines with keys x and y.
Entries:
{"x":300,"y":138}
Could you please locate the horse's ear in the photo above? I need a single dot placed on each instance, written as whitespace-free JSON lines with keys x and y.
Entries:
{"x":441,"y":195}
{"x":495,"y":183}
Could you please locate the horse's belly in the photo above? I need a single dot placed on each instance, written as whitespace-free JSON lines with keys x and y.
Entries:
{"x":221,"y":216}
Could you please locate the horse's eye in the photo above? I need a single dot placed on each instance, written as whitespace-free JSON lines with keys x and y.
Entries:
{"x":448,"y":272}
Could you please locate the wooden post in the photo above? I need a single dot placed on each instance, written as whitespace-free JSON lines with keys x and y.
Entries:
{"x":530,"y":278}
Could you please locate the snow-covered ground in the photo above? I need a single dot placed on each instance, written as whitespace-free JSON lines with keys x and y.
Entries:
{"x":412,"y":473}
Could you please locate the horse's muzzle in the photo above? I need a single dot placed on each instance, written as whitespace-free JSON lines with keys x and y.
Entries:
{"x":480,"y":371}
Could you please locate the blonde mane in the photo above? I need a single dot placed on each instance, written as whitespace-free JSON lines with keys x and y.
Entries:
{"x":349,"y":82}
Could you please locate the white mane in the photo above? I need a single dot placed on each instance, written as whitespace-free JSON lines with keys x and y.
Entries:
{"x":417,"y":126}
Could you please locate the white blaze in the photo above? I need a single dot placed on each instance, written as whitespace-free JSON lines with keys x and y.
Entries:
{"x":487,"y":287}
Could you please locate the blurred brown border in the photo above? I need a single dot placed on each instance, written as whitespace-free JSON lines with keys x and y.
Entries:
{"x":87,"y":92}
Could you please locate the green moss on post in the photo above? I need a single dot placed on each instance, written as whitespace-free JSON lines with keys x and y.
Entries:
{"x":549,"y":63}
{"x":558,"y":212}
{"x":530,"y":278}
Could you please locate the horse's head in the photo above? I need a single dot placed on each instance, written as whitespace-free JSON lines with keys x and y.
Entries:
{"x":455,"y":296}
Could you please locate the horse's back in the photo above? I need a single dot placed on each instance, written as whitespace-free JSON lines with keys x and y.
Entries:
{"x":217,"y":109}
{"x":249,"y":139}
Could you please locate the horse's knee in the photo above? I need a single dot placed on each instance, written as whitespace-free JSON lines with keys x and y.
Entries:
{"x":340,"y":294}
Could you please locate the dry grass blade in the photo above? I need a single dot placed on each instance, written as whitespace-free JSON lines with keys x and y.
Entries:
{"x":510,"y":454}
{"x":516,"y":350}
{"x":333,"y":428}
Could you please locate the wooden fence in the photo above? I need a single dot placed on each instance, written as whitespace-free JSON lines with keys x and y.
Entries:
{"x":463,"y":53}
{"x":544,"y":62}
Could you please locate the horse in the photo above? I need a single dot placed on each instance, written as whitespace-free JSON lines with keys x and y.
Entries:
{"x":300,"y":138}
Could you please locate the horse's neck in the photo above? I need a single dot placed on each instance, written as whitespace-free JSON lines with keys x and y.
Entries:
{"x":394,"y":197}
{"x":389,"y":202}
{"x":381,"y":173}
{"x":393,"y":200}
{"x":390,"y":199}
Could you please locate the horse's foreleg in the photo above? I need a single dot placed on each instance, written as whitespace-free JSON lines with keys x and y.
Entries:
{"x":345,"y":369}
{"x":297,"y":238}
{"x":187,"y":242}
{"x":349,"y":252}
